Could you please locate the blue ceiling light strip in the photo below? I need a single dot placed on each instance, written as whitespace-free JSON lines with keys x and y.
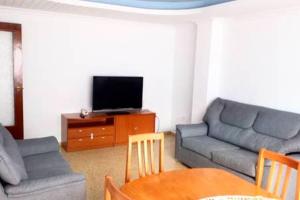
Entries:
{"x":163,"y":4}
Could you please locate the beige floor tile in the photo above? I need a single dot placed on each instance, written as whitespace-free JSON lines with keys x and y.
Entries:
{"x":95,"y":164}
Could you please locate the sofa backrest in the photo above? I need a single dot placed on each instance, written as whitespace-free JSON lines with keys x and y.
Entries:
{"x":253,"y":127}
{"x":12,"y":168}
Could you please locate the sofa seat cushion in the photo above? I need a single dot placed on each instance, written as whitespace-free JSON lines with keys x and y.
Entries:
{"x":46,"y":165}
{"x":238,"y":159}
{"x":205,"y":145}
{"x":56,"y":187}
{"x":12,"y":169}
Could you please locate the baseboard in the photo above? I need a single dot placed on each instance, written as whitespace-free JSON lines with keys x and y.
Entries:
{"x":169,"y":133}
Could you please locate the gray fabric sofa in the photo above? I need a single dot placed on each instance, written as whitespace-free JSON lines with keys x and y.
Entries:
{"x":34,"y":169}
{"x":232,"y":134}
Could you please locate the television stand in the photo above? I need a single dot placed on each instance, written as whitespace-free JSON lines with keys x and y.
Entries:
{"x":103,"y":130}
{"x":117,"y":113}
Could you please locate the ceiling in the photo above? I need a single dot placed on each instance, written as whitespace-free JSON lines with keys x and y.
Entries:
{"x":88,"y":8}
{"x":162,"y":4}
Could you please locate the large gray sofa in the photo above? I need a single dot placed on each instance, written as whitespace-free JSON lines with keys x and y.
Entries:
{"x":34,"y":169}
{"x":232,"y":134}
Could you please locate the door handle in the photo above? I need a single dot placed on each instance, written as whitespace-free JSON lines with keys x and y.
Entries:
{"x":19,"y":88}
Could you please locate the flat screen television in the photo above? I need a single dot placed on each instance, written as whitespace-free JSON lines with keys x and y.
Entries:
{"x":117,"y":92}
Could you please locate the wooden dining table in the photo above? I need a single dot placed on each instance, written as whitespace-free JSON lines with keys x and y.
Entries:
{"x":191,"y":184}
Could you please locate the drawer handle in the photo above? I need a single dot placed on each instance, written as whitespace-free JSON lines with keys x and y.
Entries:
{"x":102,"y":137}
{"x":79,"y":130}
{"x":80,"y":140}
{"x":92,"y":136}
{"x":103,"y":129}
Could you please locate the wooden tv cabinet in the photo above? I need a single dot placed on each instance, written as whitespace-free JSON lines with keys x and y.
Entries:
{"x":101,"y":130}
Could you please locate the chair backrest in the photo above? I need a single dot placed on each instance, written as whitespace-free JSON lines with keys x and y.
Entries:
{"x":146,"y":165}
{"x":111,"y":192}
{"x":282,"y":162}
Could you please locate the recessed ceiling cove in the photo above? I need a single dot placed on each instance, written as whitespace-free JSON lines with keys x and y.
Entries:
{"x":162,"y":4}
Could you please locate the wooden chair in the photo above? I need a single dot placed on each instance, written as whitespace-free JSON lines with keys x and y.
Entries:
{"x":147,"y":168}
{"x":281,"y":161}
{"x":111,"y":192}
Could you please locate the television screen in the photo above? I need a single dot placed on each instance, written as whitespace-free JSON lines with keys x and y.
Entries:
{"x":112,"y":92}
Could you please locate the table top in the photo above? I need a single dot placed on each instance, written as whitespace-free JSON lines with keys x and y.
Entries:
{"x":191,"y":184}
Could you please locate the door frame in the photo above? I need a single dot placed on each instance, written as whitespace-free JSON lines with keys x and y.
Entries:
{"x":17,"y":130}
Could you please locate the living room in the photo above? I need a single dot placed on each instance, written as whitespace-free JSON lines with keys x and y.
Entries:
{"x":244,"y":51}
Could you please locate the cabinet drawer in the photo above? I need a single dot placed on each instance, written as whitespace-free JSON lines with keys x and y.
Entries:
{"x":143,"y":124}
{"x":86,"y":143}
{"x":107,"y":130}
{"x":74,"y":133}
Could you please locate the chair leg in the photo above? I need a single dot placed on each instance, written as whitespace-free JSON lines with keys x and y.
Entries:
{"x":107,"y":195}
{"x":106,"y":192}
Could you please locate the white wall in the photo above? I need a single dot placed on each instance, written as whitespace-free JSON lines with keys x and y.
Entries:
{"x":252,"y":58}
{"x":183,"y":72}
{"x":62,"y":52}
{"x":209,"y":53}
{"x":261,"y":63}
{"x":201,"y":69}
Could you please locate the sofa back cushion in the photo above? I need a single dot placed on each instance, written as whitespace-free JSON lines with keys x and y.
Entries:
{"x":283,"y":125}
{"x":251,"y":127}
{"x":12,"y":168}
{"x":238,"y":115}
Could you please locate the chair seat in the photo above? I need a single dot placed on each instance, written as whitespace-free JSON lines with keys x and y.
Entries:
{"x":205,"y":145}
{"x":46,"y":165}
{"x":238,"y":159}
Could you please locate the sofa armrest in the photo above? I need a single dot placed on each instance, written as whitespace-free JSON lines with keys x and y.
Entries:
{"x":27,"y":187}
{"x":37,"y":146}
{"x":191,"y":130}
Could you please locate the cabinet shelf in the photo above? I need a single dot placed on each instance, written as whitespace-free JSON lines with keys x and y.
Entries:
{"x":90,"y":123}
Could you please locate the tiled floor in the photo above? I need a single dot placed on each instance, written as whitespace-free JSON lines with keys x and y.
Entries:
{"x":95,"y":164}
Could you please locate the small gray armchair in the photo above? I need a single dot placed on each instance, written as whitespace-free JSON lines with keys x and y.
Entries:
{"x":34,"y":169}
